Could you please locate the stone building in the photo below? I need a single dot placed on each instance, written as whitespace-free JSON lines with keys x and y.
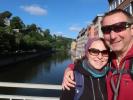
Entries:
{"x":126,"y":5}
{"x":97,"y":25}
{"x":81,"y":40}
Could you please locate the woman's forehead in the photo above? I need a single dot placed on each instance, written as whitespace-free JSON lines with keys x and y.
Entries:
{"x":97,"y":44}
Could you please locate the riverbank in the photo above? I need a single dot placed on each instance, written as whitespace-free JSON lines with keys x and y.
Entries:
{"x":8,"y":59}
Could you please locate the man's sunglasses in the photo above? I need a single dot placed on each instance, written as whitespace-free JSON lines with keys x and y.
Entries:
{"x":118,"y":27}
{"x":95,"y":52}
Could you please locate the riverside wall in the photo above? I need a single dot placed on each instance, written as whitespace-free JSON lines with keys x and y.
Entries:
{"x":15,"y":58}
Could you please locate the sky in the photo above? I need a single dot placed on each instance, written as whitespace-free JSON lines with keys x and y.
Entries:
{"x":61,"y":17}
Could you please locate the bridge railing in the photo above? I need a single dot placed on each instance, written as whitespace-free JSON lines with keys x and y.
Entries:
{"x":28,"y":85}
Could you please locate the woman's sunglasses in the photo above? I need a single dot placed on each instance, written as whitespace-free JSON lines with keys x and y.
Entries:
{"x":95,"y":52}
{"x":118,"y":27}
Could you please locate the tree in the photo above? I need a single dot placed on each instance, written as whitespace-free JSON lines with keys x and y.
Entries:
{"x":3,"y":16}
{"x":6,"y":14}
{"x":16,"y":23}
{"x":47,"y":35}
{"x":32,"y":28}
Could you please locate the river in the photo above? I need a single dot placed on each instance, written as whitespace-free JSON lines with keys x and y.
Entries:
{"x":40,"y":70}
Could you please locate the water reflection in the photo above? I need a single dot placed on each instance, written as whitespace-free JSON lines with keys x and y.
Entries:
{"x":45,"y":69}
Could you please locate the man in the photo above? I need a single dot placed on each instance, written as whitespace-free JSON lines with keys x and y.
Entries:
{"x":118,"y":34}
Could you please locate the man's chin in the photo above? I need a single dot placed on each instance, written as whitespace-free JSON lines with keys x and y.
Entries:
{"x":117,"y":51}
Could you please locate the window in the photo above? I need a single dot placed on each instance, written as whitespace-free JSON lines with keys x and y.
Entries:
{"x":128,"y":8}
{"x":131,"y":7}
{"x":110,"y":8}
{"x":113,"y":4}
{"x":117,"y":3}
{"x":121,"y":1}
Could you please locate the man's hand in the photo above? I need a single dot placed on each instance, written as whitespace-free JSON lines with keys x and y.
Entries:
{"x":68,"y":80}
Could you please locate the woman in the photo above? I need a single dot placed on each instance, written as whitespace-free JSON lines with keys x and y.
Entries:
{"x":93,"y":69}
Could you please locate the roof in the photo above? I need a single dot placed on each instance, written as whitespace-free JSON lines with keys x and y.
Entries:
{"x":95,"y":19}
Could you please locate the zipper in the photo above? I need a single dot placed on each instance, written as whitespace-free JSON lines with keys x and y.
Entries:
{"x":116,"y":86}
{"x":93,"y":88}
{"x":100,"y":89}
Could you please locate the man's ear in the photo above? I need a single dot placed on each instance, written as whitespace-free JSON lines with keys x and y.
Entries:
{"x":132,"y":29}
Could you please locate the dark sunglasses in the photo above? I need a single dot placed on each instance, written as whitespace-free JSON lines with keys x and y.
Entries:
{"x":95,"y":52}
{"x":118,"y":27}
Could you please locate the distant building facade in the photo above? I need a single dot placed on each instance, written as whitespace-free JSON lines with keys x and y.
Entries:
{"x":90,"y":32}
{"x":97,"y":25}
{"x":81,"y":40}
{"x":94,"y":29}
{"x":126,"y":5}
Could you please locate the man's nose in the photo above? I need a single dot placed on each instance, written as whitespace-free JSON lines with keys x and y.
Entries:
{"x":113,"y":34}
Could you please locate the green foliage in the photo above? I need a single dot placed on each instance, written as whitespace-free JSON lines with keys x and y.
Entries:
{"x":5,"y":14}
{"x":7,"y":42}
{"x":2,"y":30}
{"x":3,"y":17}
{"x":47,"y":35}
{"x":32,"y":28}
{"x":16,"y":23}
{"x":62,"y":43}
{"x":28,"y":37}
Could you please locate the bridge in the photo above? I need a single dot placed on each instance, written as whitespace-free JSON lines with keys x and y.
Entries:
{"x":28,"y":85}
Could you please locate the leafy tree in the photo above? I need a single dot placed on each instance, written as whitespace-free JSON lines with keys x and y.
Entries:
{"x":16,"y":23}
{"x":29,"y":37}
{"x":32,"y":28}
{"x":7,"y":42}
{"x":4,"y":15}
{"x":47,"y":35}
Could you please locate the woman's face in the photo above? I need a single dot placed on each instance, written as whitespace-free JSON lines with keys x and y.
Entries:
{"x":98,"y":54}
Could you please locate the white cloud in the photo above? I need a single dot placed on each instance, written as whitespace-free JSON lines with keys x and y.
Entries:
{"x":34,"y":10}
{"x":75,"y":28}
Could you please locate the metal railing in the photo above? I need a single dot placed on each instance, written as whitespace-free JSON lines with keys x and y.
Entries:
{"x":28,"y":85}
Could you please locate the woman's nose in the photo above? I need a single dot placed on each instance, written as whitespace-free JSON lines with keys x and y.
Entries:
{"x":100,"y":56}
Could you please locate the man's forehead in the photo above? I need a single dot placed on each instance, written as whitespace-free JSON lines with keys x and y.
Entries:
{"x":114,"y":18}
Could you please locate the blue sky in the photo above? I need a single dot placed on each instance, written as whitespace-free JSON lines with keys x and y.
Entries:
{"x":62,"y":17}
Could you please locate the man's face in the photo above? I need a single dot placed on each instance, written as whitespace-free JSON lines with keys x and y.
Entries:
{"x":117,"y":39}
